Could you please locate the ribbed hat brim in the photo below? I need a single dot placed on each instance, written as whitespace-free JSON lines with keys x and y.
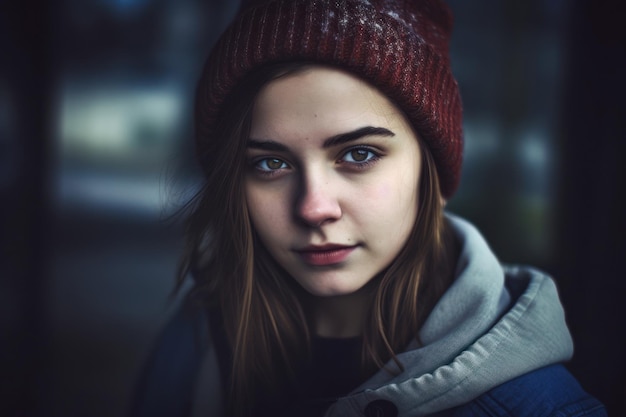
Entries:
{"x":352,"y":35}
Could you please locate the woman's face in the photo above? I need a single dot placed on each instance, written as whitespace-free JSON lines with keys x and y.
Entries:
{"x":332,"y":180}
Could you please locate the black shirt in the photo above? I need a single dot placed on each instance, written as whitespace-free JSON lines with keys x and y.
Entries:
{"x":333,"y":370}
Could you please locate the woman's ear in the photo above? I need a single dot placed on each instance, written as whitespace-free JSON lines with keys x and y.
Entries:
{"x":443,"y":202}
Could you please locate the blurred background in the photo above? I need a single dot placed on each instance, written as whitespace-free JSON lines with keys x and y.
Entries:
{"x":96,"y":157}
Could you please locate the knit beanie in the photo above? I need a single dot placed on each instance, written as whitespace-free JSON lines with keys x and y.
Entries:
{"x":398,"y":46}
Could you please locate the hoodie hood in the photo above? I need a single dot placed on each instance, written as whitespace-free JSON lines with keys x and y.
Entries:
{"x":493,"y":324}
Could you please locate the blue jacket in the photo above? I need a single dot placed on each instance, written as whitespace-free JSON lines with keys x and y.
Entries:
{"x":549,"y":391}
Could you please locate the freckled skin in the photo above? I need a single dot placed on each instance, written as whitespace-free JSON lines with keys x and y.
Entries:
{"x":319,"y":196}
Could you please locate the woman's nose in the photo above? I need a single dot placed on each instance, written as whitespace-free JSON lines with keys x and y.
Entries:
{"x":317,"y":203}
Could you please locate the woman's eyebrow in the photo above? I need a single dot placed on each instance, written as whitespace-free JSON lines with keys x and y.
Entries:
{"x":356,"y":134}
{"x":270,"y":145}
{"x":267,"y":145}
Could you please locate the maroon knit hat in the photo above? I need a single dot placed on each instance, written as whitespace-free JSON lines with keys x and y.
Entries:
{"x":399,"y":46}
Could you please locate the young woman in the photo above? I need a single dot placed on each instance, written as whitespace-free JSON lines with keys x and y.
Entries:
{"x":328,"y":281}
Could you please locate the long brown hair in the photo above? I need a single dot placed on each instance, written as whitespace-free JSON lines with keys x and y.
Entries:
{"x":263,"y":316}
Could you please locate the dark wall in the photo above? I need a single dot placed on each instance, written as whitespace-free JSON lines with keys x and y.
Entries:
{"x":26,"y":71}
{"x":592,"y":199}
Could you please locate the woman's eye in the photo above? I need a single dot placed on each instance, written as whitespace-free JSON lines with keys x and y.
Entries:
{"x":359,"y":155}
{"x":271,"y":164}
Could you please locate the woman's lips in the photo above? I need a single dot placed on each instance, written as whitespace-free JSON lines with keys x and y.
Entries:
{"x":325,"y":255}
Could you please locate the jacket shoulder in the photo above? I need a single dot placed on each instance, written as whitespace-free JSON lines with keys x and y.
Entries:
{"x":166,"y":383}
{"x":550,"y":391}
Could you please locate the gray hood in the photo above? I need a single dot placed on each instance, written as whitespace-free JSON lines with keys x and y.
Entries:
{"x":493,"y":324}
